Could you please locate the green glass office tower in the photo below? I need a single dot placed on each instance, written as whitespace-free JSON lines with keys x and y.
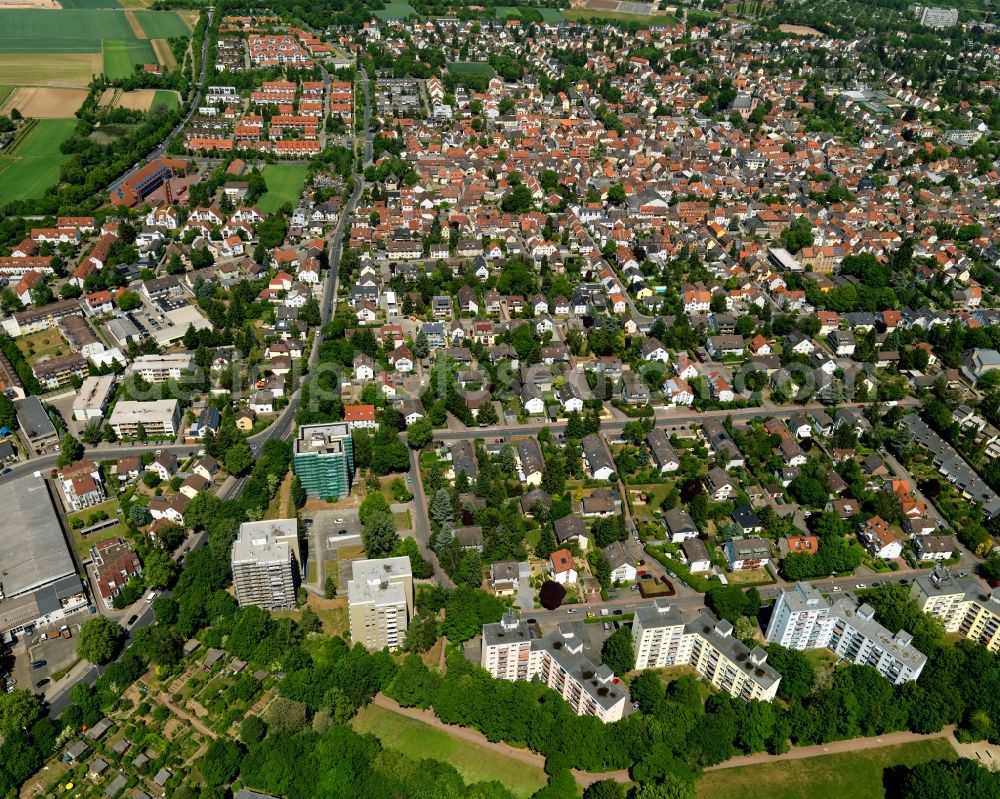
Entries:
{"x":324,"y":460}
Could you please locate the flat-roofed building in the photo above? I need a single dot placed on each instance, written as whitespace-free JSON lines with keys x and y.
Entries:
{"x":39,"y":583}
{"x":265,"y":560}
{"x":324,"y":460}
{"x":35,"y":422}
{"x":158,"y":418}
{"x":161,"y":368}
{"x":662,"y":637}
{"x":93,"y":397}
{"x":962,"y":604}
{"x":559,"y":659}
{"x":803,"y":618}
{"x":380,"y":601}
{"x":60,"y":371}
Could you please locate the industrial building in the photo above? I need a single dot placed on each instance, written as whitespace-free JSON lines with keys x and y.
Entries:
{"x":39,"y":582}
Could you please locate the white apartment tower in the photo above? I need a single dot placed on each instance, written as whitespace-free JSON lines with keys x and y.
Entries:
{"x":265,"y":564}
{"x":803,"y":619}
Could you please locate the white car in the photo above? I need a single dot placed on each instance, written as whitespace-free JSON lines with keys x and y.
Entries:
{"x":338,"y":521}
{"x":836,"y":588}
{"x":861,"y":585}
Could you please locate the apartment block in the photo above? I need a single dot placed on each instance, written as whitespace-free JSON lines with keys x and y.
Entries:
{"x":324,"y":460}
{"x":161,"y":368}
{"x":157,"y":418}
{"x":265,"y":564}
{"x":380,"y":601}
{"x":93,"y":397}
{"x":662,"y":637}
{"x":804,"y":619}
{"x":558,"y":659}
{"x":962,"y":605}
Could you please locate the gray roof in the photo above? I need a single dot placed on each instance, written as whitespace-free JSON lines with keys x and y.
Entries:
{"x":33,"y":551}
{"x":33,"y":420}
{"x":679,"y":521}
{"x":952,"y":466}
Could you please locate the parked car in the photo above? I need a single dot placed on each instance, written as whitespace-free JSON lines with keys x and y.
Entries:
{"x":38,"y":664}
{"x":132,"y":619}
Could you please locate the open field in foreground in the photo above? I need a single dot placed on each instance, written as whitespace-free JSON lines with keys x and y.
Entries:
{"x":52,"y":69}
{"x":34,"y":166}
{"x":475,"y":763}
{"x":854,"y":774}
{"x":44,"y":102}
{"x":284,"y":182}
{"x":121,"y":57}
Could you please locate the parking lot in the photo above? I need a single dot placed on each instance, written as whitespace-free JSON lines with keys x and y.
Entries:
{"x":58,"y":653}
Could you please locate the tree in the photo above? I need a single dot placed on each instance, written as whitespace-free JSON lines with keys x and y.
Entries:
{"x":618,"y":653}
{"x":329,"y":587}
{"x":551,"y":594}
{"x":797,"y":674}
{"x":8,"y":414}
{"x":19,"y":710}
{"x":70,"y":451}
{"x":139,"y":515}
{"x":419,"y":433}
{"x":100,"y":640}
{"x":252,"y":730}
{"x":671,"y":787}
{"x":239,"y":458}
{"x":159,"y":569}
{"x":487,"y":414}
{"x":285,"y":716}
{"x":128,"y":301}
{"x":378,"y":534}
{"x":221,"y":761}
{"x":421,"y":347}
{"x":440,"y":510}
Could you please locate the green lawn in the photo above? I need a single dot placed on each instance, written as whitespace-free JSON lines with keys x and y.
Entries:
{"x":461,"y":69}
{"x":5,"y":92}
{"x":162,"y":24}
{"x":548,"y":14}
{"x":475,"y":763}
{"x":643,"y":20}
{"x":122,"y":56}
{"x":284,"y":184}
{"x":35,"y":164}
{"x":857,"y":775}
{"x":167,"y":98}
{"x":395,"y":11}
{"x":82,"y":544}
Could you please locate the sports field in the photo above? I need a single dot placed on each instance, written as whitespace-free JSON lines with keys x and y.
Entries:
{"x":33,"y":165}
{"x":642,"y":20}
{"x":475,"y":763}
{"x":857,"y":775}
{"x":284,"y":184}
{"x":122,"y":56}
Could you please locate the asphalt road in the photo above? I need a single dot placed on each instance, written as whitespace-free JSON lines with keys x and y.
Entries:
{"x":665,"y":417}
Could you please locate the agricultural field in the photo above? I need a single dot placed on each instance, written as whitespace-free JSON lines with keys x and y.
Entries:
{"x":33,"y":165}
{"x":395,"y":11}
{"x":161,"y":24}
{"x":44,"y":102}
{"x":122,"y":57}
{"x":139,"y":99}
{"x":90,"y":4}
{"x":474,"y":762}
{"x":77,"y":42}
{"x":63,"y":69}
{"x":284,"y":184}
{"x":855,"y":774}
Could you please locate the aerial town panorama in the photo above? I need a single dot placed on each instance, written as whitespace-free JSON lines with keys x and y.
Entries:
{"x":591,"y":400}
